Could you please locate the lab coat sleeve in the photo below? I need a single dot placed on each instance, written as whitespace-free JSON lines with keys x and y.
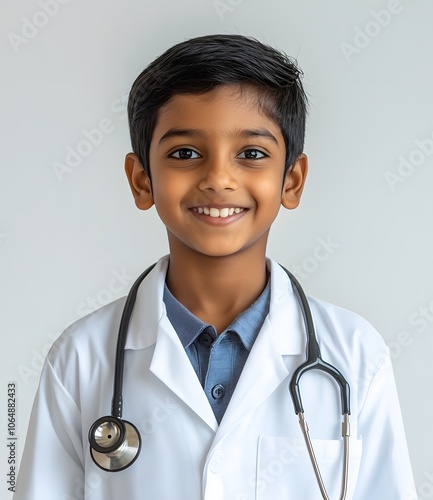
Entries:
{"x":52,"y":462}
{"x":385,"y":470}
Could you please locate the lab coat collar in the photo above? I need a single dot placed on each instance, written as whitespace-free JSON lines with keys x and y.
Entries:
{"x":149,"y":308}
{"x":285,"y":313}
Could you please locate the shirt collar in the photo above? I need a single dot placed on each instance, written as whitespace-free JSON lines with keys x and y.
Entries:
{"x":284,"y":326}
{"x":247,"y":325}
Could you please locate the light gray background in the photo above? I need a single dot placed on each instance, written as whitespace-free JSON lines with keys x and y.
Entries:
{"x":65,"y":237}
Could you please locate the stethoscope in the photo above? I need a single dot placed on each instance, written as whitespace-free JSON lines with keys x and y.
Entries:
{"x":115,"y":443}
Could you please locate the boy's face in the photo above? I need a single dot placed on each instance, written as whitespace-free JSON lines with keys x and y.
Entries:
{"x":216,"y":153}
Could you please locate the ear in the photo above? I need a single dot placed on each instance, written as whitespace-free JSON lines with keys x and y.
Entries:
{"x":294,"y":183}
{"x":139,"y":182}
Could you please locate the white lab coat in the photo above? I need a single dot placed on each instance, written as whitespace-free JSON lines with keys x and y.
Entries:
{"x":257,"y":452}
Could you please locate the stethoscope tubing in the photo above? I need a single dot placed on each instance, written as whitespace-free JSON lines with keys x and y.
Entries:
{"x":313,"y":361}
{"x":117,"y":401}
{"x":313,"y":357}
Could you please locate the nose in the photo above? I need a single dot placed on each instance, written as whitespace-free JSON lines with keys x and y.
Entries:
{"x":219,"y":174}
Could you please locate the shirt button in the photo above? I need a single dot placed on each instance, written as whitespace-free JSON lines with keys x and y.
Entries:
{"x":218,"y":391}
{"x":205,"y":339}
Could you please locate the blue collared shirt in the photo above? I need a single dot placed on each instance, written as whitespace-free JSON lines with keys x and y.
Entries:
{"x":218,"y":360}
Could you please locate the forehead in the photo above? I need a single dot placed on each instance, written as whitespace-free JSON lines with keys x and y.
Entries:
{"x":224,"y":108}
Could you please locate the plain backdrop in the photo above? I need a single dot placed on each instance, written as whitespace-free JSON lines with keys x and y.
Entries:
{"x":71,"y":238}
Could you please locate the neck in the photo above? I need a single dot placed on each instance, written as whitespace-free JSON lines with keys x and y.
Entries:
{"x":216,"y":289}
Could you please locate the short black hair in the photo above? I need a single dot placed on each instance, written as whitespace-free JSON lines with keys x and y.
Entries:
{"x":203,"y":63}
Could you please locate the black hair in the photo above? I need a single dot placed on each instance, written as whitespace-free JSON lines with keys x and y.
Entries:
{"x":201,"y":64}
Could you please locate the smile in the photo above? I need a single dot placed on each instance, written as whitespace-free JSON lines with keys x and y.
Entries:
{"x":218,"y":212}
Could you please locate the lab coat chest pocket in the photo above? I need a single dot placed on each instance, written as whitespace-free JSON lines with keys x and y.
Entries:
{"x":284,"y":469}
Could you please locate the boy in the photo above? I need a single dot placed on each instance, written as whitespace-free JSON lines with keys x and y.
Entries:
{"x":217,"y":128}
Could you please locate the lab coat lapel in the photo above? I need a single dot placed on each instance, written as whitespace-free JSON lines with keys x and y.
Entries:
{"x":257,"y":381}
{"x":172,"y":366}
{"x":283,"y":333}
{"x":149,"y":326}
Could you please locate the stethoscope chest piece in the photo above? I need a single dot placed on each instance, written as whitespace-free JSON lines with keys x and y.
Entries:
{"x":114,"y":443}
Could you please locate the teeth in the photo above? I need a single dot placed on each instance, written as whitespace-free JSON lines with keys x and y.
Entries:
{"x":224,"y":212}
{"x":215,"y":212}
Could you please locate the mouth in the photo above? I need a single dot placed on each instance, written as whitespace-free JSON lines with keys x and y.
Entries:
{"x":218,"y":212}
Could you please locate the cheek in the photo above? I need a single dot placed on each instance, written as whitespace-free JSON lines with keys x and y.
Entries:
{"x":268,"y":191}
{"x":177,"y":191}
{"x":168,"y":194}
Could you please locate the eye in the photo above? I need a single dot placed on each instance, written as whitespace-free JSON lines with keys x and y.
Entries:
{"x":252,"y":154}
{"x":184,"y":154}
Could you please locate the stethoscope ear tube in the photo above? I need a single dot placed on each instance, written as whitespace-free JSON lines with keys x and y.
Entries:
{"x":309,"y":444}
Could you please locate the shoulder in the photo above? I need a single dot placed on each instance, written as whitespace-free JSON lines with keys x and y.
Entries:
{"x":89,"y":329}
{"x":89,"y":344}
{"x":345,"y":324}
{"x":346,"y":339}
{"x":89,"y":341}
{"x":330,"y":320}
{"x":350,"y":342}
{"x":97,"y":332}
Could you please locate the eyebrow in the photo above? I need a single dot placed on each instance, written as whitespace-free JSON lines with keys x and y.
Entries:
{"x":246,"y":134}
